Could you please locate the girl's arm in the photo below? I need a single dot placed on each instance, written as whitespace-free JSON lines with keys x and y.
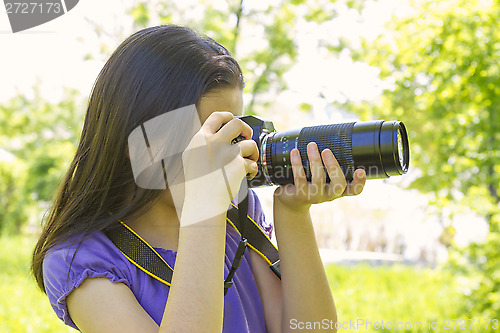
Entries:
{"x":304,"y":290}
{"x":196,"y":298}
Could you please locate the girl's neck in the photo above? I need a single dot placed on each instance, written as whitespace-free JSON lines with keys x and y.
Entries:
{"x":159,"y":226}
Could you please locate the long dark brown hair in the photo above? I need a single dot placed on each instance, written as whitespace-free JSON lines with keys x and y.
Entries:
{"x":155,"y":70}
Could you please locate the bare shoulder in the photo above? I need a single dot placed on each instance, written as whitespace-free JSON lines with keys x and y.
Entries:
{"x":99,"y":305}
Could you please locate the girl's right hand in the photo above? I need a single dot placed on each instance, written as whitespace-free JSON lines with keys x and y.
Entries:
{"x":214,"y":168}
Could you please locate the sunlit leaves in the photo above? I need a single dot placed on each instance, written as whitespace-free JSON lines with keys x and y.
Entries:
{"x":41,"y":137}
{"x":140,"y":14}
{"x":443,"y":61}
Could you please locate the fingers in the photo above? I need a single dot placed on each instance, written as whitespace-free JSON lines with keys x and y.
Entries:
{"x":302,"y":194}
{"x":358,"y":183}
{"x":233,"y":129}
{"x":318,"y":190}
{"x":250,"y":152}
{"x":249,"y":149}
{"x":251,"y":168}
{"x":299,"y":176}
{"x":337,"y":184}
{"x":216,"y":120}
{"x":318,"y":177}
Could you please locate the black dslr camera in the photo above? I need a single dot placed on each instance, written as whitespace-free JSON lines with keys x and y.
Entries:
{"x":380,"y":147}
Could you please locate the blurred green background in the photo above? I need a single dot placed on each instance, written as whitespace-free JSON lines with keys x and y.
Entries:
{"x":435,"y":65}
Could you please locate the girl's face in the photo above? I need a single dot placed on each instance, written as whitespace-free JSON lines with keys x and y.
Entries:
{"x":224,"y":99}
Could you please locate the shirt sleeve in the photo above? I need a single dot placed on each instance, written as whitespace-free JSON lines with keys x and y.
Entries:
{"x":257,"y":214}
{"x":66,"y":267}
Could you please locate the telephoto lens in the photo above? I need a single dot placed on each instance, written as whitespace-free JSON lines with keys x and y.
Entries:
{"x":379,"y":147}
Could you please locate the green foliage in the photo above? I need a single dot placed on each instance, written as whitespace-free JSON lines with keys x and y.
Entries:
{"x":264,"y":64}
{"x":271,"y":50}
{"x":376,"y":294}
{"x":443,"y":74}
{"x":23,"y":307}
{"x":442,"y":63}
{"x":379,"y":294}
{"x":478,"y":265}
{"x":13,"y":206}
{"x":41,"y":138}
{"x":140,"y":14}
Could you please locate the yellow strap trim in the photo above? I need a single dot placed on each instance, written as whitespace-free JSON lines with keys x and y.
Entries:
{"x":248,"y":244}
{"x":262,"y":231}
{"x":146,"y":271}
{"x":136,"y":234}
{"x":167,"y":283}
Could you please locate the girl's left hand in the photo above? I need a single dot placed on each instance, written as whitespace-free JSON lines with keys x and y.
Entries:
{"x":302,"y":194}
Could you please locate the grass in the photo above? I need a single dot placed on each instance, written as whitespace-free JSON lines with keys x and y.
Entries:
{"x":393,"y":294}
{"x":373,"y":294}
{"x":23,"y":307}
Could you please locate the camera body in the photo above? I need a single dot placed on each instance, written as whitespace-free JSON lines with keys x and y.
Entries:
{"x":380,"y":147}
{"x":261,"y":129}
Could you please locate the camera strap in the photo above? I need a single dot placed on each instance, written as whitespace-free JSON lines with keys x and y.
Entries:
{"x":146,"y":258}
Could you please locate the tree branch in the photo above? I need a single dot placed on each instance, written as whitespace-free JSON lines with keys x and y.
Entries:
{"x":237,"y":27}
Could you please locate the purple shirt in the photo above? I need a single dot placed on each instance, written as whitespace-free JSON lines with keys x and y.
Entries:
{"x":97,"y":256}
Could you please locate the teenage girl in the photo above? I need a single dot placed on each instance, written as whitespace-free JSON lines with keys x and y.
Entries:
{"x":89,"y":282}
